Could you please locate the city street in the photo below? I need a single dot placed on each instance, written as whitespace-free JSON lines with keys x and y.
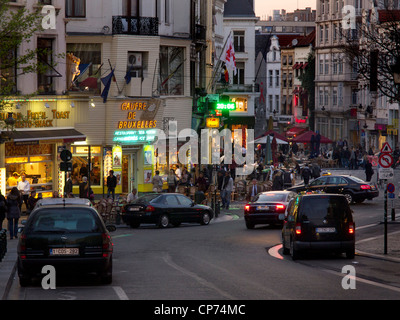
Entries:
{"x":226,"y":261}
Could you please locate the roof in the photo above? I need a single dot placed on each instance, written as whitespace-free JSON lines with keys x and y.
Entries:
{"x":67,"y":134}
{"x":302,"y":41}
{"x":286,"y":39}
{"x":262,"y":43}
{"x":239,"y":8}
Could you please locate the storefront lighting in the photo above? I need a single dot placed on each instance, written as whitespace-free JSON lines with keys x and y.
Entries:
{"x":92,"y":104}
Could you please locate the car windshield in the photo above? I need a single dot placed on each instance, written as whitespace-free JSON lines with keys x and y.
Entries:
{"x":146,"y":199}
{"x":325,"y":207}
{"x":64,"y":220}
{"x":271,"y":197}
{"x":357,"y":180}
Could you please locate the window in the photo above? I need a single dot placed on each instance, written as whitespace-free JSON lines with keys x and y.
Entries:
{"x":284,"y":80}
{"x":130,"y":8}
{"x":321,"y":34}
{"x":277,"y":78}
{"x":45,"y":2}
{"x":239,"y":77}
{"x":166,"y":12}
{"x":184,"y":201}
{"x":271,"y":78}
{"x":8,"y":71}
{"x":284,"y":60}
{"x":238,"y":39}
{"x":45,"y":57}
{"x":321,"y":65}
{"x":277,"y":103}
{"x":334,"y":97}
{"x":322,"y":126}
{"x":335,"y":65}
{"x":80,"y":165}
{"x":270,"y":102}
{"x":172,"y":70}
{"x":337,"y":128}
{"x":290,"y":60}
{"x":327,"y":64}
{"x":326,"y":97}
{"x":75,"y":8}
{"x":326,"y":33}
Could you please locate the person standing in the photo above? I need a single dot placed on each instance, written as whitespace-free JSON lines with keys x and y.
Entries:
{"x":227,"y":187}
{"x":84,"y":188}
{"x":368,"y":170}
{"x":24,"y":188}
{"x":14,"y":202}
{"x":277,"y":181}
{"x":68,"y":186}
{"x":172,"y":181}
{"x":111,"y":184}
{"x":253,"y":190}
{"x":3,"y":209}
{"x":157,"y":182}
{"x":132,"y":196}
{"x":305,"y":174}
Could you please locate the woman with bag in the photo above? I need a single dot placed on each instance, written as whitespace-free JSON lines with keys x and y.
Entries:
{"x":14,"y":202}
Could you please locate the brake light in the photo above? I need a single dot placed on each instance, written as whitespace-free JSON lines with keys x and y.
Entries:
{"x":351,"y":228}
{"x":247,"y":207}
{"x":107,"y":245}
{"x":150,"y":209}
{"x":365,"y":187}
{"x":280,"y":207}
{"x":22,"y":246}
{"x":298,"y":228}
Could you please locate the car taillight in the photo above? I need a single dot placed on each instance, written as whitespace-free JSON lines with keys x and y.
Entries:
{"x":107,"y":245}
{"x":22,"y":246}
{"x":280,"y":207}
{"x":365,"y":187}
{"x":298,"y":228}
{"x":351,"y":228}
{"x":247,"y":207}
{"x":150,"y":209}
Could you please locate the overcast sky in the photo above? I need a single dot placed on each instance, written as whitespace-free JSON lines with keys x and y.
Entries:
{"x":264,"y":7}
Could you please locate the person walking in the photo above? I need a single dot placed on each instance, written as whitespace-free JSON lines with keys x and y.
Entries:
{"x":277,"y":181}
{"x":305,"y":174}
{"x":14,"y":202}
{"x":84,"y":188}
{"x":157,"y":182}
{"x":368,"y":170}
{"x":172,"y":181}
{"x":254,"y":189}
{"x":111,"y":184}
{"x":227,"y":187}
{"x":3,"y":209}
{"x":24,"y":188}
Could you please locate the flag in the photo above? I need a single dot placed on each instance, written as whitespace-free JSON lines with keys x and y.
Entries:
{"x":229,"y":56}
{"x":226,"y":74}
{"x":128,"y":76}
{"x":107,"y":84}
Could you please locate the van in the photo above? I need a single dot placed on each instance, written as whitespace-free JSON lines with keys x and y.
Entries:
{"x":319,"y":222}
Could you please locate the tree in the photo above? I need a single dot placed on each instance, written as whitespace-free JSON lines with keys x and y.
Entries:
{"x":17,"y":26}
{"x":307,"y":80}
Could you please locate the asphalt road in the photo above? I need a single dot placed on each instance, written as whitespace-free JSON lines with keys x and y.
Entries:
{"x":225,"y":261}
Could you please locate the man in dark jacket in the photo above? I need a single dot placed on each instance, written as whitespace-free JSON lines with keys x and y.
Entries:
{"x":111,"y":184}
{"x":306,"y":174}
{"x":68,"y":186}
{"x":14,"y":202}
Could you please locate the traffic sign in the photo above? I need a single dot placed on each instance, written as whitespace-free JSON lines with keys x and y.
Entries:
{"x":386,"y":148}
{"x":386,"y":173}
{"x":390,"y":187}
{"x":66,"y":155}
{"x":385,"y":160}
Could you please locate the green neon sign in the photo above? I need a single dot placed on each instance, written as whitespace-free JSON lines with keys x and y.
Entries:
{"x":226,"y":106}
{"x":137,"y":136}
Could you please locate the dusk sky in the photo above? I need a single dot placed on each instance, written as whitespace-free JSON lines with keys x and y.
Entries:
{"x":264,"y":8}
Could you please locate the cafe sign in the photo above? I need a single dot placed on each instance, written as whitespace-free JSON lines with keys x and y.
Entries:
{"x":139,"y":114}
{"x":36,"y":119}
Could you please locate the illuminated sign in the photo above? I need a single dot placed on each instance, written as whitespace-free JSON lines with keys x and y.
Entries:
{"x":137,"y":136}
{"x":212,"y":122}
{"x":3,"y":181}
{"x":37,"y":119}
{"x":140,"y":114}
{"x":226,"y":106}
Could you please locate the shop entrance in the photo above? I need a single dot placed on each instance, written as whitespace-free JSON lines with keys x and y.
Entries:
{"x":129,"y":169}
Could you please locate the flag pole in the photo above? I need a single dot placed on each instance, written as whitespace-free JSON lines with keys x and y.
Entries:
{"x":114,"y":78}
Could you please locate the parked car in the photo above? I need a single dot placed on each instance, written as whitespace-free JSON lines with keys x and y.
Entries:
{"x":165,"y":208}
{"x":61,"y":202}
{"x":268,"y":208}
{"x":70,"y":237}
{"x":319,"y":222}
{"x":353,"y":188}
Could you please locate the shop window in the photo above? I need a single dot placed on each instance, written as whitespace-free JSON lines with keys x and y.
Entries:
{"x":241,"y":104}
{"x":35,"y":161}
{"x":80,"y":166}
{"x":172,"y":70}
{"x":88,"y":79}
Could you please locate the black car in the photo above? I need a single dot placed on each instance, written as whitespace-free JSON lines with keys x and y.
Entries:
{"x":319,"y":222}
{"x":72,"y":238}
{"x":268,"y":208}
{"x":165,"y":208}
{"x":353,"y":188}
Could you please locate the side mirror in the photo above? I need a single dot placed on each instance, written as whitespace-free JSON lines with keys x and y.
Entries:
{"x":111,"y":227}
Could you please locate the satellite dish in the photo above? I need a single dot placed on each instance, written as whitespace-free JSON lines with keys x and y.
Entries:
{"x":294,"y":42}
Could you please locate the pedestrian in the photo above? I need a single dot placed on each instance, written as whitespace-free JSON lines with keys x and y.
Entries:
{"x":287,"y":179}
{"x":157,"y":182}
{"x":201,"y":182}
{"x":306,"y":174}
{"x":111,"y":184}
{"x":253,"y":190}
{"x":277,"y":181}
{"x":172,"y":181}
{"x":14,"y":202}
{"x":68,"y":186}
{"x":132,"y":196}
{"x":24,"y":188}
{"x":84,"y":188}
{"x":32,"y":201}
{"x":352,"y":159}
{"x":368,"y":170}
{"x":315,"y":171}
{"x":227,"y":187}
{"x":3,"y":209}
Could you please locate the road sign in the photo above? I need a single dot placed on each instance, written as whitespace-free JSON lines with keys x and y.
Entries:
{"x":386,"y":148}
{"x":66,"y":155}
{"x":386,"y":173}
{"x":385,"y":160}
{"x":390,"y":187}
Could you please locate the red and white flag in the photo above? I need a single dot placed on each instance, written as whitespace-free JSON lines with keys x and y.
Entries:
{"x":229,"y":56}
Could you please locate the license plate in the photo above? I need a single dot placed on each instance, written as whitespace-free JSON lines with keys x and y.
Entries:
{"x":325,"y":230}
{"x":134,"y":209}
{"x":262,"y":207}
{"x":64,"y":252}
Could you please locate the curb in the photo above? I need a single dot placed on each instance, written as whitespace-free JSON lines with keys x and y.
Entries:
{"x":9,"y":282}
{"x":377,"y":256}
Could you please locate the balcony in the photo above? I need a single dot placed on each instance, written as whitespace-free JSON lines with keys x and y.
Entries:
{"x":141,"y":26}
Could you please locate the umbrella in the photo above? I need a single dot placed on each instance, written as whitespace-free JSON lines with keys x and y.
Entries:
{"x":306,"y":137}
{"x":276,"y":134}
{"x":263,"y":140}
{"x":268,"y":151}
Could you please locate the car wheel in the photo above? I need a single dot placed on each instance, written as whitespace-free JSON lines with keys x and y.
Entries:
{"x":349,"y":197}
{"x":293,"y":252}
{"x":249,"y":225}
{"x":106,"y":277}
{"x":205,"y":219}
{"x":164,"y":221}
{"x":350,"y":254}
{"x":285,"y":250}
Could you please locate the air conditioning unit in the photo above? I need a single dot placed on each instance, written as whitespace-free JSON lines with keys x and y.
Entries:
{"x":134,"y":59}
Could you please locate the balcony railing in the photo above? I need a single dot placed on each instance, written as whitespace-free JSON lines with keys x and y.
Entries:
{"x":144,"y":26}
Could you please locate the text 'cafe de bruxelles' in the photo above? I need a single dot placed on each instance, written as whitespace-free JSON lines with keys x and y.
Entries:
{"x":132,"y":122}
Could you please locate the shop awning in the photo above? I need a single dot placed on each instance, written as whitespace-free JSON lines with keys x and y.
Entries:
{"x":65,"y":134}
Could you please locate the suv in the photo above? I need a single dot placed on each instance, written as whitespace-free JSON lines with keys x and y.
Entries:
{"x":319,"y":222}
{"x":69,"y":237}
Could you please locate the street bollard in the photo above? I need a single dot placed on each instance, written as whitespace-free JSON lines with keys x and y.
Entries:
{"x":393,"y":214}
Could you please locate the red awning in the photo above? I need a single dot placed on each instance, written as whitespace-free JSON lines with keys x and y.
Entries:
{"x":306,"y":138}
{"x":305,"y":65}
{"x":275,"y":134}
{"x":295,"y":131}
{"x":296,"y":66}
